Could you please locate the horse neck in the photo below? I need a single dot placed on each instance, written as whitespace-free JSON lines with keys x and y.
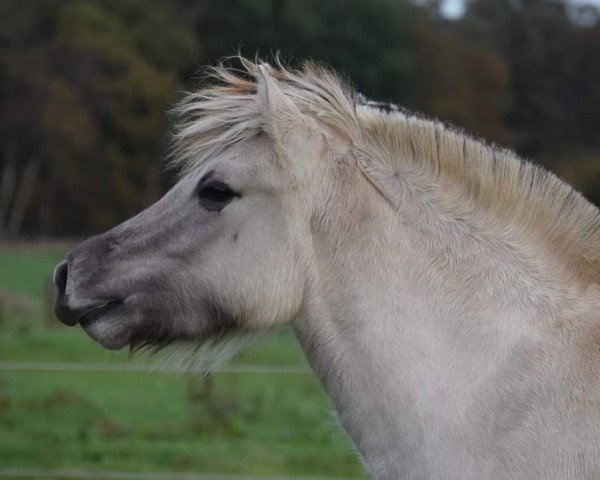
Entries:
{"x":408,"y":312}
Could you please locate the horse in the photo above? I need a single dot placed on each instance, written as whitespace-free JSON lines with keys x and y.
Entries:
{"x":445,"y":292}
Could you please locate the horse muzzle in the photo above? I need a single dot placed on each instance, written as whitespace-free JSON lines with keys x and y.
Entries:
{"x":63,"y":309}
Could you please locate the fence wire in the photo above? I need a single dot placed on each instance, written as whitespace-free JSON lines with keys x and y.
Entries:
{"x":114,"y":475}
{"x":120,"y":367}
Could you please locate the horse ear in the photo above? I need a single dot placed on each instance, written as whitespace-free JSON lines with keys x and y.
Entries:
{"x":282,"y":119}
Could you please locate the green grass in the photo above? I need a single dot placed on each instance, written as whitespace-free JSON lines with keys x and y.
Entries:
{"x":237,"y":423}
{"x":26,"y":272}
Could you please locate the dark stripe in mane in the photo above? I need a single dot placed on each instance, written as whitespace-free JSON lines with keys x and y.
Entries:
{"x":388,"y":107}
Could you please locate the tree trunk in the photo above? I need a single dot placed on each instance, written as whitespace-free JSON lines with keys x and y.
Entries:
{"x":7,"y":183}
{"x":17,"y":213}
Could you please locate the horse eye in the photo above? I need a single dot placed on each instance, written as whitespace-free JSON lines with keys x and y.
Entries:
{"x":214,"y":196}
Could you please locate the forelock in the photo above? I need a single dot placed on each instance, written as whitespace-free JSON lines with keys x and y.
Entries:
{"x":227,"y":111}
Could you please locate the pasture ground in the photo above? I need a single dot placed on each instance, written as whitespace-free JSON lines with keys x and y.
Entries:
{"x":242,"y":423}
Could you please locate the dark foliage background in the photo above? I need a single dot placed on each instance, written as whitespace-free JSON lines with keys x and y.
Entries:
{"x":84,"y":86}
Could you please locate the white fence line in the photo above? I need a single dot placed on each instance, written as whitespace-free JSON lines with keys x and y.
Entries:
{"x":114,"y":475}
{"x":122,"y":367}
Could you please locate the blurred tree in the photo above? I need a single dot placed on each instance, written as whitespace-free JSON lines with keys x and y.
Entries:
{"x":24,"y":89}
{"x":460,"y":82}
{"x":21,"y":134}
{"x":84,"y":85}
{"x":95,"y":108}
{"x":370,"y":42}
{"x":554,"y":77}
{"x":554,"y":70}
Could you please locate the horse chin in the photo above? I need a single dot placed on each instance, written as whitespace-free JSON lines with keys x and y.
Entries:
{"x":110,"y":328}
{"x":123,"y":325}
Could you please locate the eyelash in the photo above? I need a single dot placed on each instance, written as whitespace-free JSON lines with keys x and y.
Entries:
{"x":214,"y":196}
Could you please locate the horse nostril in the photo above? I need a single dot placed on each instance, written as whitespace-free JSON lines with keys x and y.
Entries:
{"x":61,"y":273}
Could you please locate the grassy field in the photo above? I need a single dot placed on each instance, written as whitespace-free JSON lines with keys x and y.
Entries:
{"x":259,"y":424}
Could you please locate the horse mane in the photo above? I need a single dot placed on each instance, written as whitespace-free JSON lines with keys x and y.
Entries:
{"x":392,"y":143}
